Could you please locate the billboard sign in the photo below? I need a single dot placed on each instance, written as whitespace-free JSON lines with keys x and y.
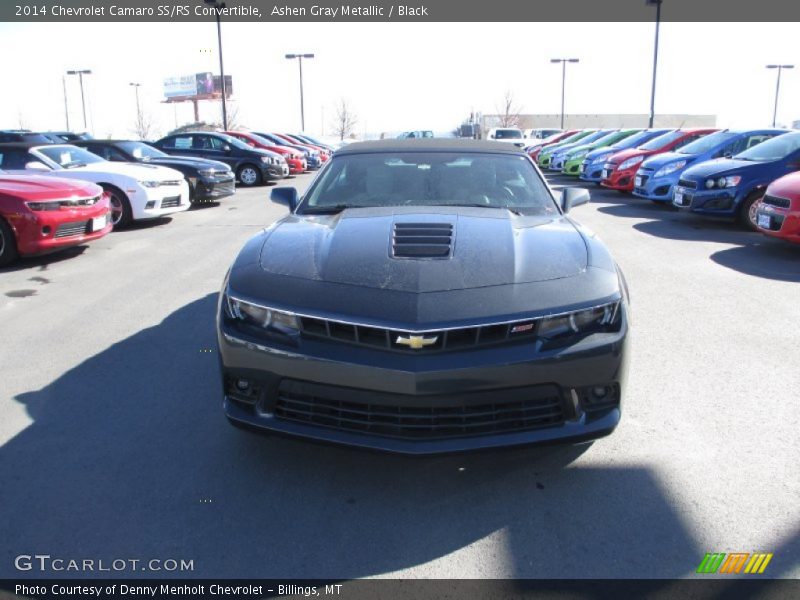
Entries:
{"x":185,"y":85}
{"x":200,"y":86}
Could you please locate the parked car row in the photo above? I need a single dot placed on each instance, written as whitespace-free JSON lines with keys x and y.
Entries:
{"x":61,"y":189}
{"x":745,"y":175}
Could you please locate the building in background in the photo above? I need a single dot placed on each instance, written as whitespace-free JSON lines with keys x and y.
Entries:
{"x":601,"y":121}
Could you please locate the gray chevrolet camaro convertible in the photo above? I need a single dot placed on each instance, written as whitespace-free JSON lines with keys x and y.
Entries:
{"x":425,"y":296}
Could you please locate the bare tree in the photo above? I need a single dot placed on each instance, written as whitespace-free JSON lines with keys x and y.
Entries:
{"x":509,"y":111}
{"x":143,"y":125}
{"x":346,"y":120}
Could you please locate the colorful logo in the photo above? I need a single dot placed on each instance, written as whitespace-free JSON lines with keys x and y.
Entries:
{"x":735,"y":562}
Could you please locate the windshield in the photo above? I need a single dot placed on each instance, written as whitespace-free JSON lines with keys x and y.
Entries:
{"x":709,"y":142}
{"x":430,"y":179}
{"x":662,"y":140}
{"x":232,"y":141}
{"x":141,"y":150}
{"x":593,"y":137}
{"x":608,"y":137}
{"x":633,"y":140}
{"x":775,"y":149}
{"x":503,"y":134}
{"x":69,"y":157}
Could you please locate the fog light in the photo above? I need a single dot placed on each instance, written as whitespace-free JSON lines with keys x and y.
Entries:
{"x":151,"y":204}
{"x":242,"y":384}
{"x":599,"y":392}
{"x":46,"y":230}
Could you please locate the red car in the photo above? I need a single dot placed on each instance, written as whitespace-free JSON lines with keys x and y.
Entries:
{"x":620,"y":168}
{"x":295,"y":159}
{"x":42,"y":214}
{"x":324,"y":155}
{"x":539,"y":145}
{"x":778,"y":213}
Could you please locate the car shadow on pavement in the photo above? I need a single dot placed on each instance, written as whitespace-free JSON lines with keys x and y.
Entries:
{"x":43,"y":261}
{"x":128,"y":455}
{"x":769,"y":259}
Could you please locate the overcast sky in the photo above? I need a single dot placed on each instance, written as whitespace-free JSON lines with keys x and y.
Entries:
{"x":396,"y":76}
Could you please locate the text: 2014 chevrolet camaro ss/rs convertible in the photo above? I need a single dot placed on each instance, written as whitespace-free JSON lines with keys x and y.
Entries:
{"x":421,"y":297}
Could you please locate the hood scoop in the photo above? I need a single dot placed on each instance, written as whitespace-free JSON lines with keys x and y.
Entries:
{"x":422,"y":240}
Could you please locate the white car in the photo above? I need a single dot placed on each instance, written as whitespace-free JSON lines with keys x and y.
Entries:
{"x":136,"y":191}
{"x":511,"y":135}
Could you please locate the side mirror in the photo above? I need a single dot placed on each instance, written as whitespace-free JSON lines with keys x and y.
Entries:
{"x":285,"y":195}
{"x":572,"y":197}
{"x":727,"y":155}
{"x":226,"y":148}
{"x":35,"y":165}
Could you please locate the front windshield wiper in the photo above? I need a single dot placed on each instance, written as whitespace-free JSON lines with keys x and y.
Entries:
{"x":317,"y":210}
{"x":479,"y":205}
{"x":72,"y":165}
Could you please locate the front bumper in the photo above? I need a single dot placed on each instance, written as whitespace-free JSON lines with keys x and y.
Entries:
{"x":151,"y":203}
{"x":616,"y":179}
{"x":572,"y":167}
{"x":213,"y":188}
{"x":718,"y":203}
{"x":275,"y":171}
{"x":334,"y":392}
{"x":591,"y":172}
{"x":557,"y":163}
{"x":659,"y":189}
{"x":48,"y":231}
{"x":297,"y":166}
{"x":779,"y":222}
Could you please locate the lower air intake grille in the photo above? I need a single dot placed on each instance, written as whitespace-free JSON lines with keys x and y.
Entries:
{"x":420,"y":417}
{"x":776,"y":201}
{"x":69,"y":229}
{"x":422,"y":240}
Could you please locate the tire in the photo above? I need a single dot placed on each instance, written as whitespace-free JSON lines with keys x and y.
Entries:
{"x":747,"y":210}
{"x":8,"y":244}
{"x":249,"y":175}
{"x":121,"y":214}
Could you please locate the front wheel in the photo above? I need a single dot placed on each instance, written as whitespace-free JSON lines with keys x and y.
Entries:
{"x":747,"y":216}
{"x":121,"y":214}
{"x":249,"y":175}
{"x":8,"y":244}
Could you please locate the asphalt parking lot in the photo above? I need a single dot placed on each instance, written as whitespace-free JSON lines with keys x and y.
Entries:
{"x":113,"y":443}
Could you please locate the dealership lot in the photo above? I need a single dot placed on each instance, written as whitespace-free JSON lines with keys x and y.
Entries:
{"x":114,"y":444}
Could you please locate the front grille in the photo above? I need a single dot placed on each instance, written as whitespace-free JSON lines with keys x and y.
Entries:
{"x":429,"y":341}
{"x":422,"y":240}
{"x":776,"y":201}
{"x":642,"y":179}
{"x":74,"y":228}
{"x":171,"y":202}
{"x":174,"y":182}
{"x":687,"y":183}
{"x":420,"y":417}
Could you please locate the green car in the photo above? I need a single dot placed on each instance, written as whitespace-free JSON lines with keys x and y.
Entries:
{"x":544,"y":155}
{"x":574,"y":158}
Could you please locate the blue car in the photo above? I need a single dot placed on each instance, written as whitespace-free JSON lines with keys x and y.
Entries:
{"x":731,"y":187}
{"x":592,"y":166}
{"x":658,"y":174}
{"x":559,"y":156}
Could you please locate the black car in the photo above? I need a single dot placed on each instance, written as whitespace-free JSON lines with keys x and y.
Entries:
{"x":23,"y":135}
{"x":251,"y":165}
{"x":59,"y":137}
{"x":425,"y":296}
{"x":209,"y":180}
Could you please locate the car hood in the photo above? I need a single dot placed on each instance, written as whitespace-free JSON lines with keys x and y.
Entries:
{"x":660,"y":160}
{"x":33,"y":187}
{"x":623,"y":155}
{"x":139,"y":171}
{"x":188,"y":161}
{"x":719,"y":166}
{"x":490,"y":247}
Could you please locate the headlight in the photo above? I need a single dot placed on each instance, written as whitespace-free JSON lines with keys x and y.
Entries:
{"x":207,"y":172}
{"x":261,"y":317}
{"x":601,"y":158}
{"x":579,"y":155}
{"x":37,"y":206}
{"x":631,"y":162}
{"x":266,"y":159}
{"x":723,"y":182}
{"x":597,"y":319}
{"x":150,"y":184}
{"x":671,"y":168}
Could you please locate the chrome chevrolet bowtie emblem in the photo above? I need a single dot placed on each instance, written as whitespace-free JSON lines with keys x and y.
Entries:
{"x":415,"y":342}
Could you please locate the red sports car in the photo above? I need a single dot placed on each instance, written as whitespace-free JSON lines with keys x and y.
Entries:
{"x":42,"y":214}
{"x":778,"y":213}
{"x":539,"y":145}
{"x":295,"y":160}
{"x":324,"y":155}
{"x":620,"y":168}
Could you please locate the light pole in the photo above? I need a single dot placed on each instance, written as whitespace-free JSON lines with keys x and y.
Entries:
{"x":66,"y":106}
{"x":218,"y":6}
{"x":778,"y":88}
{"x":300,"y":58}
{"x":655,"y":62}
{"x":563,"y":62}
{"x":80,"y":73}
{"x":136,"y":87}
